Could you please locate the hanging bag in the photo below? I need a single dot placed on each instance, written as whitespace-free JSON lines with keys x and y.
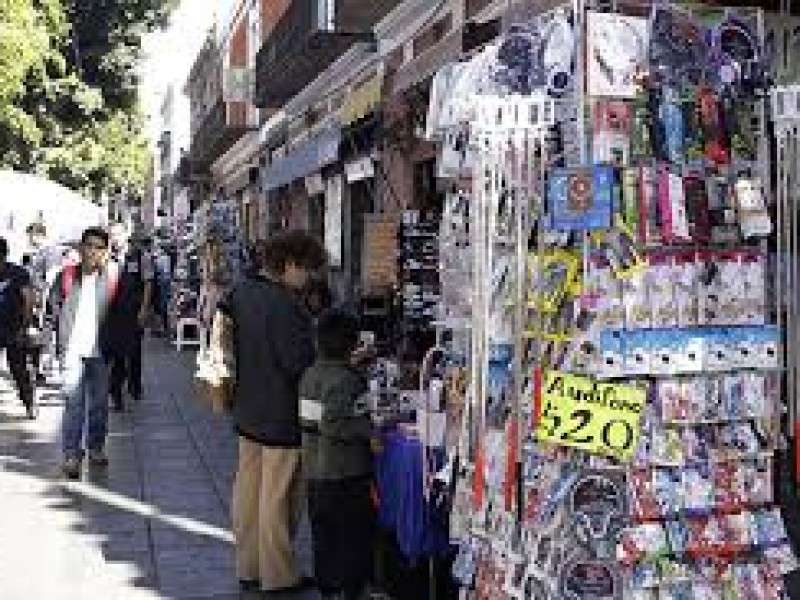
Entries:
{"x":214,"y":378}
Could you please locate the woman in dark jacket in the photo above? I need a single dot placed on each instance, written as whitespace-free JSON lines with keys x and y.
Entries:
{"x":273,"y":346}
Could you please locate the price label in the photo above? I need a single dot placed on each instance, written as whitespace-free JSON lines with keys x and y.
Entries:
{"x":600,"y":418}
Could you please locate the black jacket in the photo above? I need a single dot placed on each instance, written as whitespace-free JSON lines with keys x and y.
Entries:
{"x":274,"y":345}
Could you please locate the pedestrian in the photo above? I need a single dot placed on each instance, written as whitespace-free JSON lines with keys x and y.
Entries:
{"x":162,"y":290}
{"x":17,"y":299}
{"x":126,"y":321}
{"x":273,"y":345}
{"x":337,"y":454}
{"x":81,"y":299}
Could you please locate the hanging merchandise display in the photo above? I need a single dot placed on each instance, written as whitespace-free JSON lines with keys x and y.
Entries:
{"x":629,"y":336}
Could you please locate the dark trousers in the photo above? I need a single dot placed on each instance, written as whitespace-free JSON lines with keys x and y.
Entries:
{"x":343,"y":524}
{"x":126,"y":365}
{"x":17,"y":357}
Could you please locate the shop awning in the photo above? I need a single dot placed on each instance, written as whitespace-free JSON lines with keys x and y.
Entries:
{"x":362,"y":100}
{"x":309,"y":157}
{"x":448,"y":50}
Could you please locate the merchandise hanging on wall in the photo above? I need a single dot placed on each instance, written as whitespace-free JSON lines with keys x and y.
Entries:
{"x":631,"y":337}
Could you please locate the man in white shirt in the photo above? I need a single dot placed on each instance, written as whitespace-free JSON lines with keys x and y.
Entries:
{"x":80,"y":298}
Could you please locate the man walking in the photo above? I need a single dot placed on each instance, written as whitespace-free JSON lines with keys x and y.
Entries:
{"x":273,"y":345}
{"x":81,"y":299}
{"x":17,"y":298}
{"x":126,"y":320}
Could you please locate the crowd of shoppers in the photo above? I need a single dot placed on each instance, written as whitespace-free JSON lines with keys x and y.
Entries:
{"x":286,"y":344}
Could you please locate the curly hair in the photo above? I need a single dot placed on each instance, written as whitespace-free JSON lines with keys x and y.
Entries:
{"x":289,"y":247}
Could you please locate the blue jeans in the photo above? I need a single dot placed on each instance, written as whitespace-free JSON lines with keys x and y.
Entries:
{"x":85,"y":406}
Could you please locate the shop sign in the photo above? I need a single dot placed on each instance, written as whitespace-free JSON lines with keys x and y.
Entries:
{"x":600,"y":418}
{"x":362,"y":100}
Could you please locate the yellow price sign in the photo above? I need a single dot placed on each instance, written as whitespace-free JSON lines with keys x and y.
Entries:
{"x":601,"y":418}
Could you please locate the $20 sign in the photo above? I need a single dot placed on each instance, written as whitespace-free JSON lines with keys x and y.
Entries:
{"x":600,"y":418}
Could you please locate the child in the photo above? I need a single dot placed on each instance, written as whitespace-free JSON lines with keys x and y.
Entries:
{"x":338,"y":461}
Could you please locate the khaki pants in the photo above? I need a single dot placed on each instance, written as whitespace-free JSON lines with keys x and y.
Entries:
{"x":266,"y":505}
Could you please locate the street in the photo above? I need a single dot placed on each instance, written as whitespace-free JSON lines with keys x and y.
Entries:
{"x":154,"y":525}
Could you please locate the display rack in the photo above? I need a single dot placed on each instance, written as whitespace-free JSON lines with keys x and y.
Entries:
{"x":634,"y":330}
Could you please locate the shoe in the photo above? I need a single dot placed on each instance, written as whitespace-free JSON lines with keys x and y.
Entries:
{"x":249,"y":585}
{"x":98,"y":458}
{"x":305,"y":583}
{"x":117,"y":405}
{"x":32,"y":411}
{"x":41,"y":378}
{"x":72,"y":468}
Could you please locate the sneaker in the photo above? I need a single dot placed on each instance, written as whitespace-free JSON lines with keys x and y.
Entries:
{"x":32,"y":410}
{"x":98,"y":458}
{"x":71,"y":468}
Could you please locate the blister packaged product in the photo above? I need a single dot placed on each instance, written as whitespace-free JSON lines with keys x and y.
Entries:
{"x":666,"y":446}
{"x":757,"y":398}
{"x":728,"y":491}
{"x":738,"y":531}
{"x":650,"y":218}
{"x":665,"y":351}
{"x":733,"y":401}
{"x":714,"y":407}
{"x":667,"y":487}
{"x":662,"y":291}
{"x":768,"y":528}
{"x":742,"y":439}
{"x":685,"y":282}
{"x":730,"y":289}
{"x":645,"y":504}
{"x":747,"y":581}
{"x":698,"y":443}
{"x":766,"y":342}
{"x":672,"y":399}
{"x":606,"y":292}
{"x":612,"y":355}
{"x":718,"y":351}
{"x":782,"y":557}
{"x":695,"y":390}
{"x":689,"y":351}
{"x":676,"y":569}
{"x":710,"y":289}
{"x":696,"y":195}
{"x":635,"y":297}
{"x":678,"y":536}
{"x":643,"y":542}
{"x":672,"y":203}
{"x":643,"y":579}
{"x":705,"y":535}
{"x":611,"y":140}
{"x":754,"y":304}
{"x":757,"y":481}
{"x":706,"y":590}
{"x":639,"y":349}
{"x":698,"y":489}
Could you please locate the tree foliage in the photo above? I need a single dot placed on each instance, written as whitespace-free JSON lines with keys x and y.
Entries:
{"x":68,"y":90}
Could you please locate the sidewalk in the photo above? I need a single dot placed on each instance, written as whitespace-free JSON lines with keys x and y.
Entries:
{"x":154,"y":525}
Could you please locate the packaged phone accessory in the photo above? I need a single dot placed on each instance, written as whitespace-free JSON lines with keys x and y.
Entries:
{"x":662,"y":291}
{"x":635,"y":296}
{"x":672,"y":205}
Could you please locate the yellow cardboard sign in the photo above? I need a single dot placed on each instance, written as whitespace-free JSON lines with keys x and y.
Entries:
{"x":600,"y":418}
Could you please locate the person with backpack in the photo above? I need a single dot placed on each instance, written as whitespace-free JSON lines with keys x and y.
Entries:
{"x":127,"y":318}
{"x":17,"y":299}
{"x":81,"y":300}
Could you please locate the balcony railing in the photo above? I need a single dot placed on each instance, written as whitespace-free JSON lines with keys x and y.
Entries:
{"x":224,"y":124}
{"x":310,"y":36}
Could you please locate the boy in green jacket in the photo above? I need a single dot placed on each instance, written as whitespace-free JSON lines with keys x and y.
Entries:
{"x":337,"y":431}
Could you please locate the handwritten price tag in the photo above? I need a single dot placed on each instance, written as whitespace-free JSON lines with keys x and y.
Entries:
{"x":600,"y":418}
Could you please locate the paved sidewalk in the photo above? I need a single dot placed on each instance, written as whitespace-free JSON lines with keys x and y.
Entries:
{"x":154,"y":525}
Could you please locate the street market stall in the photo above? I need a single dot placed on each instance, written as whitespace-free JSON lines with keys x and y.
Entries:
{"x":611,"y":391}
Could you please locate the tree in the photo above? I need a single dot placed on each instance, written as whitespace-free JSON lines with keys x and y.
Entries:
{"x":68,"y":90}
